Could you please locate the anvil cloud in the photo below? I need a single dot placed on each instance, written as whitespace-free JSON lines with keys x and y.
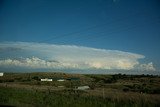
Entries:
{"x":48,"y":56}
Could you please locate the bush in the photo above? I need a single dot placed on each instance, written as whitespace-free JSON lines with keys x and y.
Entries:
{"x":1,"y":81}
{"x":36,"y":78}
{"x":125,"y":89}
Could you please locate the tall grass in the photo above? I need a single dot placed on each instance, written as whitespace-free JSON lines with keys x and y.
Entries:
{"x":68,"y":98}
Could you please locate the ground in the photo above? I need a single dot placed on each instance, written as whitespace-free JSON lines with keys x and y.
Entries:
{"x":17,"y":89}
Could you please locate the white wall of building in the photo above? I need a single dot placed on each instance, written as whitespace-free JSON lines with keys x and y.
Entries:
{"x":1,"y":74}
{"x":46,"y":79}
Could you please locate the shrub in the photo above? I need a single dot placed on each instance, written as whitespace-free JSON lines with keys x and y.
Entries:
{"x":125,"y":89}
{"x":36,"y":78}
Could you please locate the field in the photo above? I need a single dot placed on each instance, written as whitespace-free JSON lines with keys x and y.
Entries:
{"x":26,"y":89}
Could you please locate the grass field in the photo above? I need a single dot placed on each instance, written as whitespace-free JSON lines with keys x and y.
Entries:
{"x":26,"y":90}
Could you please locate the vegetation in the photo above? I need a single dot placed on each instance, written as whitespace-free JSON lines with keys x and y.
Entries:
{"x":26,"y":89}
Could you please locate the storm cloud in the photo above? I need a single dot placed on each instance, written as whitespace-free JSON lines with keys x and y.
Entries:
{"x":48,"y":56}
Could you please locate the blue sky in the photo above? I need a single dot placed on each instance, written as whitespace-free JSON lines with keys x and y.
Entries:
{"x":125,"y":25}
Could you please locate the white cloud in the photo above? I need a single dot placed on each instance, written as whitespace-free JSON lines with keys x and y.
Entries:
{"x":146,"y":67}
{"x":68,"y":56}
{"x":33,"y":62}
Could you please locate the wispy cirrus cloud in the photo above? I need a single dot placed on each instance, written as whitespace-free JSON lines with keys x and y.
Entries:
{"x":48,"y":56}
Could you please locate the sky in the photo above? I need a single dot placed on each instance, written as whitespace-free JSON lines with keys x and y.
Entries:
{"x":80,"y":34}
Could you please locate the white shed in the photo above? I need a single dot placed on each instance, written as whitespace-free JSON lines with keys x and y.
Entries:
{"x":60,"y":80}
{"x":1,"y":73}
{"x":46,"y":79}
{"x":83,"y":87}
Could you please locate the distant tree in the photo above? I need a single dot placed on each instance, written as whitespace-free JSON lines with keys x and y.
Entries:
{"x":36,"y":78}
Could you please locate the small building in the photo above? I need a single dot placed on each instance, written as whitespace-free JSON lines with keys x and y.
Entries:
{"x":1,"y":73}
{"x":83,"y":87}
{"x":46,"y":79}
{"x":60,"y":80}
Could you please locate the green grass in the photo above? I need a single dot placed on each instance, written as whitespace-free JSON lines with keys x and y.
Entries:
{"x":120,"y":90}
{"x":67,"y":98}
